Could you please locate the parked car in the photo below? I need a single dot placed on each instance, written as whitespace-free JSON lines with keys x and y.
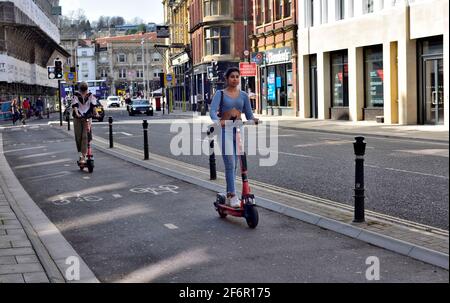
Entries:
{"x":113,"y":101}
{"x":139,"y":106}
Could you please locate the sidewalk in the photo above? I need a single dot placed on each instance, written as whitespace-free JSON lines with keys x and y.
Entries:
{"x":32,"y":250}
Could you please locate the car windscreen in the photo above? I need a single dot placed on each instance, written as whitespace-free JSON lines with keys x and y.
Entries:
{"x":113,"y":99}
{"x":140,"y":102}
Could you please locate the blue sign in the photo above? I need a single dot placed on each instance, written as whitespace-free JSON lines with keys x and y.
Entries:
{"x":70,"y":76}
{"x":278,"y":82}
{"x":271,"y":89}
{"x":169,"y":77}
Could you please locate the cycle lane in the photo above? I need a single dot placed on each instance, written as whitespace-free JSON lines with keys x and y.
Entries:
{"x":132,"y":224}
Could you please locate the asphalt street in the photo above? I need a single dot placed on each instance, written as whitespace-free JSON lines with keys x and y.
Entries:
{"x":132,"y":224}
{"x":403,"y":178}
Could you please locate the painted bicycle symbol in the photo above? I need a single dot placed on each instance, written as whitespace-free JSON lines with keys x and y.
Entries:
{"x":67,"y":200}
{"x":155,"y":190}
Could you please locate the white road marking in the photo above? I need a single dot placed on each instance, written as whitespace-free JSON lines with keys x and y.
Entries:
{"x":117,"y":196}
{"x":42,"y":163}
{"x":23,"y":149}
{"x":331,"y":142}
{"x":86,"y":178}
{"x":427,"y":152}
{"x":126,"y":134}
{"x":407,"y":171}
{"x":36,"y":155}
{"x":49,"y":176}
{"x":171,"y":226}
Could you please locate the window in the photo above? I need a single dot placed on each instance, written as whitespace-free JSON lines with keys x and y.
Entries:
{"x":287,"y":8}
{"x":324,"y":10}
{"x":84,"y":53}
{"x":267,"y":11}
{"x":103,"y":73}
{"x":373,"y":76}
{"x":140,"y":73}
{"x":122,"y":73}
{"x":138,"y":57}
{"x":216,"y":7}
{"x":84,"y":65}
{"x":217,"y":41}
{"x":278,"y":9}
{"x":340,"y":9}
{"x":339,"y":79}
{"x":261,"y":14}
{"x":122,"y":58}
{"x":368,"y":6}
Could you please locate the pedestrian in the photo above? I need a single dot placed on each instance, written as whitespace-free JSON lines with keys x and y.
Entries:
{"x":84,"y":106}
{"x":25,"y":110}
{"x":14,"y":111}
{"x":227,"y":105}
{"x":39,"y":107}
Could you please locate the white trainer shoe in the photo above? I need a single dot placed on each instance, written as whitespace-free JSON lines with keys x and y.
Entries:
{"x":235,"y":202}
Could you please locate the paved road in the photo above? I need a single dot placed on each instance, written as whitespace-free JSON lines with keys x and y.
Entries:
{"x":404,"y":178}
{"x":171,"y":233}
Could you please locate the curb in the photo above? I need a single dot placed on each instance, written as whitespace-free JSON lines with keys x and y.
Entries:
{"x":352,"y":230}
{"x":49,"y":244}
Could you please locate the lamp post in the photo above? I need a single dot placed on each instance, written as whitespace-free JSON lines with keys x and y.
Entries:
{"x":143,"y":66}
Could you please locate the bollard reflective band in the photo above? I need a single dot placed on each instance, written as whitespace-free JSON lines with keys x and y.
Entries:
{"x":359,"y":158}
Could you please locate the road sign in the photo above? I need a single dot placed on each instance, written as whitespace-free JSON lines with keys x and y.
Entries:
{"x":71,"y":78}
{"x":169,"y":77}
{"x":247,"y":69}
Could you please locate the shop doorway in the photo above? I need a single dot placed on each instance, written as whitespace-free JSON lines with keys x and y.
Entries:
{"x":313,"y":87}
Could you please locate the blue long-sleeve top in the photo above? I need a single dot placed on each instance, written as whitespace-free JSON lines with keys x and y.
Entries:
{"x":241,"y":103}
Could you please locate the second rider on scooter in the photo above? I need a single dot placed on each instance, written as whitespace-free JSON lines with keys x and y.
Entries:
{"x":83,"y":106}
{"x":226,"y":107}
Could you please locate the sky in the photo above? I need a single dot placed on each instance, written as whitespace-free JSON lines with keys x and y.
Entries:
{"x":147,"y":10}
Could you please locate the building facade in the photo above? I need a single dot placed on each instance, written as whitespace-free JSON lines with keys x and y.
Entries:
{"x":86,"y":63}
{"x":219,"y":32}
{"x":179,"y":61}
{"x":274,"y":49}
{"x":129,"y":63}
{"x":29,"y":42}
{"x":374,"y":60}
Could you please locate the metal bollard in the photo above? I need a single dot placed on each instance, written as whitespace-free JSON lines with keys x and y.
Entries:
{"x":111,"y":141}
{"x":48,"y":113}
{"x":145,"y":126}
{"x":212,"y":159}
{"x":68,"y":122}
{"x":360,"y":147}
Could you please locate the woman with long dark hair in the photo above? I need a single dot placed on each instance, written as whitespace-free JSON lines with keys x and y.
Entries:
{"x":226,"y":107}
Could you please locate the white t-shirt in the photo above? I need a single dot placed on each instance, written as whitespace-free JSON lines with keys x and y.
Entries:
{"x":84,"y":107}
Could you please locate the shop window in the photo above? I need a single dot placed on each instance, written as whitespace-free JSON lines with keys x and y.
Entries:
{"x":373,"y":76}
{"x":339,"y":79}
{"x":280,"y":89}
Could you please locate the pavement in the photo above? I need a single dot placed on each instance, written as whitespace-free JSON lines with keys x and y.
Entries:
{"x":23,"y":220}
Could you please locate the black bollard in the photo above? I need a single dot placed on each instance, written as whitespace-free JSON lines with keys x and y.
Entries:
{"x":212,"y":159}
{"x":68,"y":122}
{"x":145,"y":126}
{"x":360,"y":148}
{"x":48,"y":113}
{"x":111,"y":141}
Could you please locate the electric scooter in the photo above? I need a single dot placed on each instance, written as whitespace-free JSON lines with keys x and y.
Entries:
{"x":248,"y":205}
{"x":89,"y":164}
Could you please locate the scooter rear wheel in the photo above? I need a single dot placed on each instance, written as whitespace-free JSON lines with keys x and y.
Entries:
{"x":252,"y":217}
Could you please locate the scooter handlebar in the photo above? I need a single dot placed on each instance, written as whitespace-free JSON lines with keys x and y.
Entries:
{"x":237,"y":123}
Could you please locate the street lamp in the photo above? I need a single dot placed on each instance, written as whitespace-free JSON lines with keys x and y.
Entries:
{"x":143,"y":67}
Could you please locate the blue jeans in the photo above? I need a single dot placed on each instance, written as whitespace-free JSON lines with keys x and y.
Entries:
{"x":230,"y":157}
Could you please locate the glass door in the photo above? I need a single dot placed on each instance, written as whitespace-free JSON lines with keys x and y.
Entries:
{"x":433,"y":91}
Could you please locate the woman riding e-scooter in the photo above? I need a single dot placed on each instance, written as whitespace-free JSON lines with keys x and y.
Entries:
{"x":83,"y":105}
{"x":226,"y":107}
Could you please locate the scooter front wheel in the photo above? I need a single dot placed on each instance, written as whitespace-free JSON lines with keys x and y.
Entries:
{"x":222,"y":214}
{"x":251,"y":216}
{"x":90,"y":166}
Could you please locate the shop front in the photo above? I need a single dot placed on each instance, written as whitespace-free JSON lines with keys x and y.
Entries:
{"x":277,"y":83}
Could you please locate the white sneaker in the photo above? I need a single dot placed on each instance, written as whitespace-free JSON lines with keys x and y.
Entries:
{"x":235,"y":202}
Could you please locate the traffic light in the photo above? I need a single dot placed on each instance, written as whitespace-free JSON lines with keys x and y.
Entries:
{"x":161,"y":80}
{"x":58,"y":69}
